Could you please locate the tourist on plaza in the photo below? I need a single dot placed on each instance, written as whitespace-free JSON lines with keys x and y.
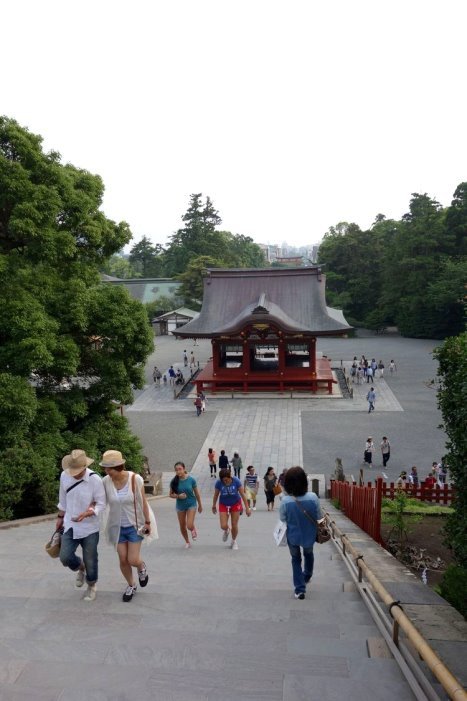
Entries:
{"x":184,"y":489}
{"x":374,"y":366}
{"x":392,"y":367}
{"x":171,"y":375}
{"x":369,"y":450}
{"x":369,"y":374}
{"x":270,"y":481}
{"x":385,"y":450}
{"x":229,"y":491}
{"x":381,"y":368}
{"x":202,"y":396}
{"x":402,"y":480}
{"x":198,"y":404}
{"x":371,"y":398}
{"x":156,"y":375}
{"x":430,"y":481}
{"x":192,"y":360}
{"x":185,"y":359}
{"x":179,"y":379}
{"x":130,"y":519}
{"x":212,"y":459}
{"x":223,"y":461}
{"x":360,"y":375}
{"x":299,"y":510}
{"x":81,"y":500}
{"x":442,"y":471}
{"x":237,"y":465}
{"x":251,"y":485}
{"x":413,"y":476}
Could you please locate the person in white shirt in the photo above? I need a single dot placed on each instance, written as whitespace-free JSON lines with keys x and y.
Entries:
{"x":130,"y":519}
{"x":82,"y":499}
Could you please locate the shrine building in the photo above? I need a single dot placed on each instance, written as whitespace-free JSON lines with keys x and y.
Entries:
{"x":263,"y":324}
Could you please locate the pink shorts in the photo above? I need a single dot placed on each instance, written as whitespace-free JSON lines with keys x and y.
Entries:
{"x":224,"y":509}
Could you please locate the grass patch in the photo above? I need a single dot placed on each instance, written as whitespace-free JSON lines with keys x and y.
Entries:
{"x":414,"y":506}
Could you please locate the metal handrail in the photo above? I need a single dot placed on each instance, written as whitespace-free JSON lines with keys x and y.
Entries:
{"x":448,"y":681}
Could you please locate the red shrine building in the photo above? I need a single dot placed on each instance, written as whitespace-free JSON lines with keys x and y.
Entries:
{"x":263,"y":324}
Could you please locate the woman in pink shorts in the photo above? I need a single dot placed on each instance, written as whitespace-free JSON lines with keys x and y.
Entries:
{"x":229,"y":491}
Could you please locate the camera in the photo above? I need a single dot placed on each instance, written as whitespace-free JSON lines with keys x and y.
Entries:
{"x":143,"y":530}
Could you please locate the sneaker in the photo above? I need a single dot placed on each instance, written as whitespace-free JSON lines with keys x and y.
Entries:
{"x":143,"y":576}
{"x":194,"y":533}
{"x":300,"y":595}
{"x":128,"y":593}
{"x":234,"y":545}
{"x":91,"y":593}
{"x":187,"y":546}
{"x":254,"y":508}
{"x":80,"y":576}
{"x":225,"y":535}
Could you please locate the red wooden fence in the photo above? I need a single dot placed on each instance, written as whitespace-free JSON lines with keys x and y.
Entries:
{"x":361,"y":504}
{"x":433,"y":495}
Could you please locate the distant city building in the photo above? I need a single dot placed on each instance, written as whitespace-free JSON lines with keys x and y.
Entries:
{"x":291,"y":261}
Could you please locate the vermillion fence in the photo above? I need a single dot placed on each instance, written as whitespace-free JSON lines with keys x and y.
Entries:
{"x":423,"y":492}
{"x":361,"y":504}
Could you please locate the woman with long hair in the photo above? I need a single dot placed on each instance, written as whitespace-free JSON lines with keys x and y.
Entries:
{"x":229,"y":491}
{"x":130,"y":519}
{"x":270,"y":481}
{"x":184,"y":490}
{"x":300,"y":510}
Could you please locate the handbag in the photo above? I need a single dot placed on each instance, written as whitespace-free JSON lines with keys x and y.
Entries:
{"x":277,"y":489}
{"x":143,"y":530}
{"x":52,"y":547}
{"x":280,"y":533}
{"x":323,"y":534}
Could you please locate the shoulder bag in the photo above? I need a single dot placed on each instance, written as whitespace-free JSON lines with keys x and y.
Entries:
{"x":323,"y":534}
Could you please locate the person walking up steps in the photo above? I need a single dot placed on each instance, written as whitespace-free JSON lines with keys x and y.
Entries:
{"x":299,"y":509}
{"x":385,"y":450}
{"x":237,"y":465}
{"x":369,"y":450}
{"x":223,"y":461}
{"x":184,"y":489}
{"x":270,"y":481}
{"x":229,"y":491}
{"x":251,"y":485}
{"x":82,"y":499}
{"x":212,"y":459}
{"x":130,"y":519}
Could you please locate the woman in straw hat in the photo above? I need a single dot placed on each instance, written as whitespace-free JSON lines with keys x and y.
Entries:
{"x":130,"y":519}
{"x":82,"y":499}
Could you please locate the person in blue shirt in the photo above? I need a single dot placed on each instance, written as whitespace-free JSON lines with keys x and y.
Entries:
{"x":185,"y":490}
{"x":229,"y":491}
{"x":299,"y":510}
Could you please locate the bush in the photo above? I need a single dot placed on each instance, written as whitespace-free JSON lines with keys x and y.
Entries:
{"x":453,"y":588}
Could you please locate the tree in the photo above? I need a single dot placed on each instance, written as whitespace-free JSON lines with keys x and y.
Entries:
{"x":452,"y":400}
{"x":191,"y":288}
{"x":69,"y":346}
{"x":147,"y":259}
{"x":119,"y":266}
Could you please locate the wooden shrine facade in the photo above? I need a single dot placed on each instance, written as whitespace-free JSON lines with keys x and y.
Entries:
{"x":263,"y":325}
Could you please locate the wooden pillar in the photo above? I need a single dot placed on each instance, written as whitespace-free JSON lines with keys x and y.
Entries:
{"x":215,"y":355}
{"x":282,"y":349}
{"x":312,"y":347}
{"x":246,"y":357}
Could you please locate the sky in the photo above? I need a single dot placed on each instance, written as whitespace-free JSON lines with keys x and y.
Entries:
{"x":292,"y":116}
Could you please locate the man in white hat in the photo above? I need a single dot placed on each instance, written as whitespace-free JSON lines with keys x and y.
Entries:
{"x":82,"y":499}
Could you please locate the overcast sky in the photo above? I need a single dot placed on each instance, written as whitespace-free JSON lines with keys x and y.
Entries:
{"x":291,"y":116}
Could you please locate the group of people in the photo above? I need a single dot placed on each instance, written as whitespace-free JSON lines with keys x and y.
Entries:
{"x":366,"y":370}
{"x":83,"y":497}
{"x":299,"y":509}
{"x":369,"y":452}
{"x":437,"y":476}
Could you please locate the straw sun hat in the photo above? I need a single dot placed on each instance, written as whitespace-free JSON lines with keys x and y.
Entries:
{"x":76,"y":462}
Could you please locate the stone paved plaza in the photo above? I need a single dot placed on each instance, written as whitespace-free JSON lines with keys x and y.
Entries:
{"x":215,"y":624}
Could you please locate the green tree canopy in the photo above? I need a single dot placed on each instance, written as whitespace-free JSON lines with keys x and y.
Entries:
{"x":69,"y":346}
